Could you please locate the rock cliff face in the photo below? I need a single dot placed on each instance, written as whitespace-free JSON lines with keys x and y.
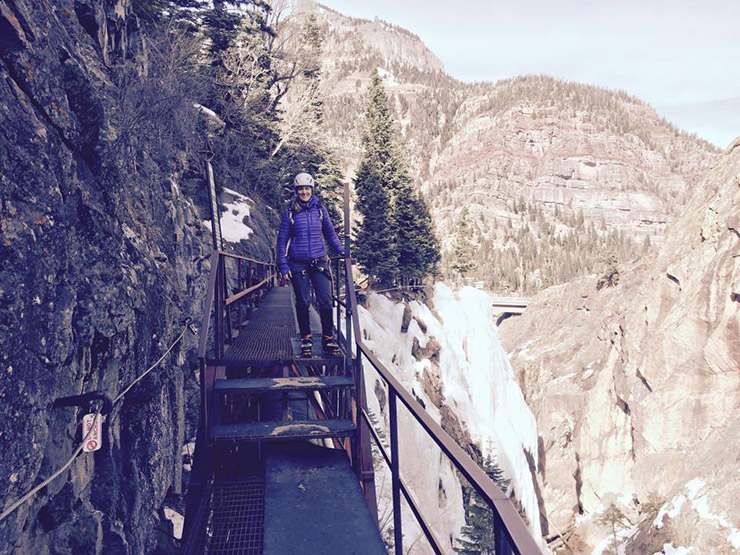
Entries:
{"x":102,"y":256}
{"x":636,"y":388}
{"x":569,"y":146}
{"x":351,"y":42}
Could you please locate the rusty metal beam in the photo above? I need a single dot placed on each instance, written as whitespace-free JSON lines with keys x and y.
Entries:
{"x":247,"y":291}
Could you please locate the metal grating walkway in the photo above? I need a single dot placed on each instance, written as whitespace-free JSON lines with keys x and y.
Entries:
{"x":236,"y":521}
{"x":266,"y":339}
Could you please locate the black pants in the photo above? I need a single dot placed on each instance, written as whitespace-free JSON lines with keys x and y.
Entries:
{"x":305,"y":274}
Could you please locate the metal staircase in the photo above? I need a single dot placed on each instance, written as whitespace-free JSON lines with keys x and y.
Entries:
{"x":283,"y":462}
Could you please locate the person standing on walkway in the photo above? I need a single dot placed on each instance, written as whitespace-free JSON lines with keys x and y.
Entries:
{"x":302,"y":258}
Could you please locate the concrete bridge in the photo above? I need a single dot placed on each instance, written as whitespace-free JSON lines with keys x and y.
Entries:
{"x":504,"y":307}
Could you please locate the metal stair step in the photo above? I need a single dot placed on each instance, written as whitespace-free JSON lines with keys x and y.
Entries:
{"x":281,"y":430}
{"x":302,"y":383}
{"x":314,"y":504}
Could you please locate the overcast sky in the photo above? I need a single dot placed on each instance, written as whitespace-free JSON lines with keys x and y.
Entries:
{"x":680,"y":56}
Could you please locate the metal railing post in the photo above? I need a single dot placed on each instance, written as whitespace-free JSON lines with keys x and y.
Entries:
{"x":395,"y":473}
{"x":250,"y":282}
{"x":348,"y":338}
{"x":239,"y":286}
{"x":357,"y":417}
{"x":204,"y":401}
{"x":500,"y":539}
{"x":348,"y":319}
{"x":218,"y":343}
{"x":337,"y":288}
{"x":226,"y":309}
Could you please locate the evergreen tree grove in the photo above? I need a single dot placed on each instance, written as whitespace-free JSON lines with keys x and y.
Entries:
{"x":376,"y":249}
{"x":463,"y":256}
{"x":395,"y":240}
{"x":418,"y":248}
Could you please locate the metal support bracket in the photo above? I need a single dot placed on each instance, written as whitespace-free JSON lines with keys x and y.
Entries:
{"x":85,"y":400}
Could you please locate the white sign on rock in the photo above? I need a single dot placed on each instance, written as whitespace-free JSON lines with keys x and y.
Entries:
{"x":94,"y":440}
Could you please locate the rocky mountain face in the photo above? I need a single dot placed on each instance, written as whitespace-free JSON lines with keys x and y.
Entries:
{"x":636,"y":388}
{"x":102,"y":256}
{"x":354,"y":42}
{"x":535,"y":154}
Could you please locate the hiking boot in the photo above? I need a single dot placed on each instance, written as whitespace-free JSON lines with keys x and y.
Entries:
{"x":307,"y":346}
{"x":330,"y":345}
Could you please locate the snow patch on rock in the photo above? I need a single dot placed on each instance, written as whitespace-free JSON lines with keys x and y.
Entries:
{"x":699,"y":505}
{"x":177,"y":521}
{"x":668,"y":549}
{"x":387,"y":76}
{"x":694,"y":486}
{"x":233,"y":228}
{"x":734,"y":538}
{"x":670,"y":509}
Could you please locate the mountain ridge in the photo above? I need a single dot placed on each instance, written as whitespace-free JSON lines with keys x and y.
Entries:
{"x":481,"y":146}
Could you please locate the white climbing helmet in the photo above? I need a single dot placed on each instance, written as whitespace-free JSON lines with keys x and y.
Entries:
{"x":303,"y":180}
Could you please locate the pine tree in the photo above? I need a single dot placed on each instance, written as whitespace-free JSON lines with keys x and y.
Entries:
{"x":330,"y":187}
{"x":418,"y":248}
{"x":221,"y":27}
{"x":396,"y":218}
{"x":463,"y":255}
{"x":478,"y":538}
{"x":376,"y":249}
{"x":221,"y":22}
{"x":615,"y":519}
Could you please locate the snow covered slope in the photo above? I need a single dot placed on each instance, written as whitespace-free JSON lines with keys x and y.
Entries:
{"x":477,"y":385}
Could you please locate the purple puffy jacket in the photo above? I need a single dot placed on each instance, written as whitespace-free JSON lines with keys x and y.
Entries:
{"x":307,"y":237}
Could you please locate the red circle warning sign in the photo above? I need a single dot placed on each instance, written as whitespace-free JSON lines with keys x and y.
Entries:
{"x":92,"y":430}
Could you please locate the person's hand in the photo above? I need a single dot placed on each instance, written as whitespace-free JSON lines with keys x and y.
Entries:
{"x":286,"y":278}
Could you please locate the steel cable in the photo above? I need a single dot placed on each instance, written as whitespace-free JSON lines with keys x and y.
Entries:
{"x":77,"y":451}
{"x":51,"y":478}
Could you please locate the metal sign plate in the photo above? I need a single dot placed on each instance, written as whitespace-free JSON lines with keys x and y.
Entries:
{"x":95,"y":440}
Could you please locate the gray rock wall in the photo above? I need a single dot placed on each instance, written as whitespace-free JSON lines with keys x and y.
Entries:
{"x":102,"y":256}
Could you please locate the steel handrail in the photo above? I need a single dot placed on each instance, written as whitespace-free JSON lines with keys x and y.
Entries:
{"x":245,"y":258}
{"x":496,"y":499}
{"x":426,"y":528}
{"x":210,"y":293}
{"x":236,"y":296}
